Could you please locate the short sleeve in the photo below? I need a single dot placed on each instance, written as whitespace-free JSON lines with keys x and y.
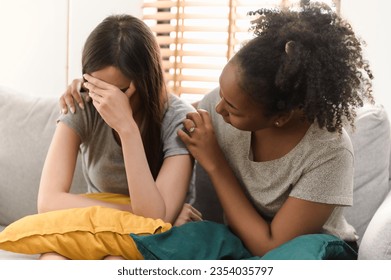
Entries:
{"x":82,"y":121}
{"x":328,"y":180}
{"x":173,"y":121}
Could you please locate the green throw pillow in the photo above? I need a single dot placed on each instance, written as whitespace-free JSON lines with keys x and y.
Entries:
{"x":202,"y":240}
{"x":312,"y":247}
{"x":207,"y":240}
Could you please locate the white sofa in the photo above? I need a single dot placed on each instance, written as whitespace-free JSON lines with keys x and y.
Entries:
{"x":27,"y":124}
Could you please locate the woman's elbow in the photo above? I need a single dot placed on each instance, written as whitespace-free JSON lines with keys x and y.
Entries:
{"x":169,"y":219}
{"x":45,"y":202}
{"x":158,"y":213}
{"x":42,"y":205}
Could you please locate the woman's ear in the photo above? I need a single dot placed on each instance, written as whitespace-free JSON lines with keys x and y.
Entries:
{"x":282,"y":118}
{"x":131,"y":90}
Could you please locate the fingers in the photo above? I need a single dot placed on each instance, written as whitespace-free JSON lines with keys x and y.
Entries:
{"x":95,"y":97}
{"x":66,"y":101}
{"x":75,"y":92}
{"x":205,"y":117}
{"x":63,"y":105}
{"x":184,"y":136}
{"x":196,"y":218}
{"x":194,"y":121}
{"x":102,"y":88}
{"x":94,"y":84}
{"x":195,"y":118}
{"x":198,"y":213}
{"x":195,"y":214}
{"x":68,"y":97}
{"x":72,"y":94}
{"x":93,"y":90}
{"x":192,"y":213}
{"x":199,"y":118}
{"x":189,"y":125}
{"x":188,"y":214}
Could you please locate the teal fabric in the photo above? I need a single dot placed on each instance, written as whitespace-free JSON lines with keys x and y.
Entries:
{"x":313,"y":247}
{"x":207,"y":240}
{"x":203,"y":240}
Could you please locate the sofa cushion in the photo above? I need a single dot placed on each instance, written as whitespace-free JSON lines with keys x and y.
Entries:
{"x":206,"y":200}
{"x":371,"y":143}
{"x":389,"y":179}
{"x":80,"y":233}
{"x":26,"y":126}
{"x":376,"y":242}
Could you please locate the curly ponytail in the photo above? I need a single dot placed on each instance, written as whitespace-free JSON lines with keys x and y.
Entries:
{"x":308,"y":59}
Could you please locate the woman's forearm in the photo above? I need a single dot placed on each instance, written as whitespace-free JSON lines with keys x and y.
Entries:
{"x":145,"y":196}
{"x":57,"y":174}
{"x":62,"y":200}
{"x":295,"y":217}
{"x":241,"y":216}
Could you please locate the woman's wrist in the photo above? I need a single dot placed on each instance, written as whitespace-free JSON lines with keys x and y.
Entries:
{"x":128,"y":128}
{"x":215,"y":163}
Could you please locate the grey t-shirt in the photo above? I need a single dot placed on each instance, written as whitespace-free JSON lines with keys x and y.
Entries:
{"x":318,"y":169}
{"x":102,"y":157}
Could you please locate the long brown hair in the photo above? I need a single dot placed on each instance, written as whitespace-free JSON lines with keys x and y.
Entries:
{"x":128,"y":44}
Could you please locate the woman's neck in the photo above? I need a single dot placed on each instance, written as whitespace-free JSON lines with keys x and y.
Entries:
{"x":275,"y":142}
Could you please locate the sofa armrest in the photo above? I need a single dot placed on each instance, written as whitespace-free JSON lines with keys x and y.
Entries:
{"x":371,"y":141}
{"x":376,"y":242}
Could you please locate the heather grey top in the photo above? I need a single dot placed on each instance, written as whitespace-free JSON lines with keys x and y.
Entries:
{"x":318,"y":169}
{"x":102,"y":158}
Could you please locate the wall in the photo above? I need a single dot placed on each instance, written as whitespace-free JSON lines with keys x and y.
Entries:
{"x":41,"y":40}
{"x":81,"y":23}
{"x":371,"y":20}
{"x":33,"y":45}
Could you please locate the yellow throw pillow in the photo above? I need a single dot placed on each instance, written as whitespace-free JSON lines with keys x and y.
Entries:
{"x":80,"y":233}
{"x":109,"y":197}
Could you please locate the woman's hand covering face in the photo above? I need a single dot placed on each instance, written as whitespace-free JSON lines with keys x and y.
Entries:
{"x":111,"y":103}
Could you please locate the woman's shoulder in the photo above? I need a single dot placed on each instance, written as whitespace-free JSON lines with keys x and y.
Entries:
{"x":82,"y":121}
{"x":177,"y":107}
{"x":324,"y":140}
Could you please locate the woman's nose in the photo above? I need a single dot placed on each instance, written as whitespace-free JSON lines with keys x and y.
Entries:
{"x":220,"y":107}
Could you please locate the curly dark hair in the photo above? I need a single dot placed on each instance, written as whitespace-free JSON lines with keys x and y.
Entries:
{"x":308,"y":59}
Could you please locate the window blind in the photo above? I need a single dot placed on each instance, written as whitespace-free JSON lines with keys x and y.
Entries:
{"x":197,"y":38}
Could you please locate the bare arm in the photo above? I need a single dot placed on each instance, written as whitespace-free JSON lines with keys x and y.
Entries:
{"x":296,"y":217}
{"x":57,"y":175}
{"x":173,"y":183}
{"x":161,"y":199}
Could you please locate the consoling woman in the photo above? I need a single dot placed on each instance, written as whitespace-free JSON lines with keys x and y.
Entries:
{"x":272,"y":138}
